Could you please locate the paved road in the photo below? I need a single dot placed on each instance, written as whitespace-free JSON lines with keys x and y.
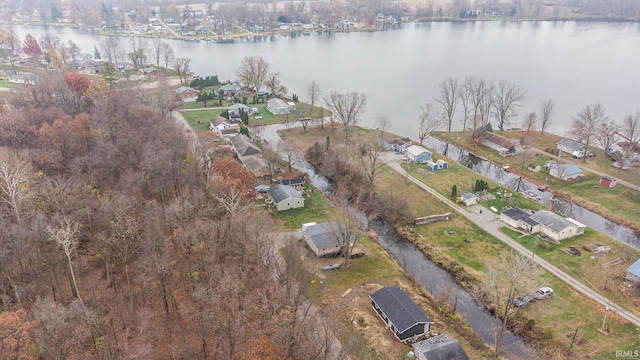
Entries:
{"x":492,"y":227}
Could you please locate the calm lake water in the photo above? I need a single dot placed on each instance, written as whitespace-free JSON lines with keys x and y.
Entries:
{"x":573,"y":63}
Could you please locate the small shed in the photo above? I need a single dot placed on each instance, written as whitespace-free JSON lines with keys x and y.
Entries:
{"x":468,"y":199}
{"x":285,"y":197}
{"x":400,"y":313}
{"x":633,"y":272}
{"x":608,"y":181}
{"x":432,"y":166}
{"x":296,"y":183}
{"x":442,"y":164}
{"x":418,"y":154}
{"x":566,"y":172}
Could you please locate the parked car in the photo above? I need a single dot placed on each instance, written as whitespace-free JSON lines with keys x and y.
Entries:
{"x":262,"y":188}
{"x":574,"y":251}
{"x":521,"y":301}
{"x":543,"y":293}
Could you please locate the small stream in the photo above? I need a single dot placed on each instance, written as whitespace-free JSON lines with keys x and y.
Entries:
{"x":434,"y":279}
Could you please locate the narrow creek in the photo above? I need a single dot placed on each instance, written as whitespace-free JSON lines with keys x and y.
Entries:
{"x":434,"y":279}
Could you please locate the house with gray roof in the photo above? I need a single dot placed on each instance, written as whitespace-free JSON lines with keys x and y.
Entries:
{"x":556,"y":227}
{"x":278,"y":106}
{"x":230,"y":88}
{"x":569,"y":146}
{"x":324,"y":239}
{"x":439,"y":347}
{"x":223,"y":126}
{"x":250,"y":155}
{"x":234,"y":110}
{"x":520,"y":219}
{"x":400,"y":314}
{"x":284,"y":197}
{"x":468,"y":199}
{"x":418,"y":154}
{"x":395,"y":144}
{"x":184,"y":92}
{"x":633,"y":272}
{"x":566,"y":172}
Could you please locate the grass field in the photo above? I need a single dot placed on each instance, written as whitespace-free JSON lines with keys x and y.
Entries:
{"x":316,"y":209}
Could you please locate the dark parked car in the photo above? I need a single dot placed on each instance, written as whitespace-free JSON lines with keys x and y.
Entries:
{"x":575,"y":252}
{"x":522,"y":300}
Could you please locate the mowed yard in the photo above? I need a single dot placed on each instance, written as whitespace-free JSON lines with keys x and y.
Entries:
{"x":557,"y":316}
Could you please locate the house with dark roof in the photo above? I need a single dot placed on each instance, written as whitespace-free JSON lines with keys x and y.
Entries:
{"x":284,"y":197}
{"x":633,"y":272}
{"x":520,"y":219}
{"x":566,"y":172}
{"x":296,"y":183}
{"x":324,"y":239}
{"x":569,"y":146}
{"x":552,"y":225}
{"x":501,"y":144}
{"x":556,"y":227}
{"x":439,"y":347}
{"x":400,"y":314}
{"x":250,"y":155}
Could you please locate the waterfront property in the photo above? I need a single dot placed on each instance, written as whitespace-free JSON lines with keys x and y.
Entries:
{"x":418,"y":154}
{"x":547,"y":223}
{"x":278,"y":106}
{"x":234,"y":110}
{"x":400,"y":314}
{"x":439,"y":347}
{"x":223,"y":126}
{"x":501,"y":144}
{"x":284,"y":197}
{"x":566,"y":172}
{"x":323,"y":239}
{"x":633,"y":272}
{"x":569,"y":146}
{"x":230,"y":89}
{"x":250,"y":155}
{"x":395,"y":144}
{"x":296,"y":183}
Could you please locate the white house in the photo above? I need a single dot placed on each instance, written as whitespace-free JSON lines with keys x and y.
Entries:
{"x":569,"y":146}
{"x":633,"y":272}
{"x":223,"y":126}
{"x":285,"y":197}
{"x":395,"y":144}
{"x":278,"y":106}
{"x":468,"y":199}
{"x":234,"y":110}
{"x":556,"y":227}
{"x":566,"y":172}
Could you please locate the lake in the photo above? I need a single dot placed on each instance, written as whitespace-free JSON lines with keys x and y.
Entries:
{"x":573,"y":63}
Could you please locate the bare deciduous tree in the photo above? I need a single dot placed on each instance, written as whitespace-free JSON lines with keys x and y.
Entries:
{"x":288,"y":153}
{"x":529,"y":122}
{"x":181,"y":66}
{"x":607,"y":133}
{"x":15,"y":174}
{"x":168,"y":55}
{"x":481,"y":99}
{"x":630,"y":129}
{"x":346,"y":108}
{"x":507,"y":277}
{"x":586,"y":124}
{"x":252,"y":72}
{"x":448,"y":99}
{"x":369,"y":150}
{"x":65,"y":235}
{"x":313,"y":96}
{"x":429,"y":121}
{"x":464,"y":96}
{"x":506,"y":98}
{"x":547,"y":112}
{"x":274,"y":85}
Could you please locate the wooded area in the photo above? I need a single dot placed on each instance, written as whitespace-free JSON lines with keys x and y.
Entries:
{"x":120,"y":241}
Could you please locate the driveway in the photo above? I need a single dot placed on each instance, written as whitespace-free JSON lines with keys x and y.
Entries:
{"x":493,"y":227}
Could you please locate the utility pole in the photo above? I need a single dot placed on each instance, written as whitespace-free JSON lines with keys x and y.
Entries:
{"x":604,"y":320}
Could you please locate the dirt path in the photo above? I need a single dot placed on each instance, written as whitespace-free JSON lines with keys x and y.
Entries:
{"x":492,"y":227}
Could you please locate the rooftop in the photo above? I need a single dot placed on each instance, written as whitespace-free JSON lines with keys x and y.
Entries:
{"x":551,"y":220}
{"x":635,"y":268}
{"x":283,"y":192}
{"x":440,"y":347}
{"x":573,"y":145}
{"x":399,"y":308}
{"x":325,"y":234}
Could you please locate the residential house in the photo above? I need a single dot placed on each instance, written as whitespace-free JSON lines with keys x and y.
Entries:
{"x":148,"y":70}
{"x":556,"y":227}
{"x":186,"y":92}
{"x":520,"y":219}
{"x":468,"y":199}
{"x":28,"y":79}
{"x":609,"y":182}
{"x":324,"y":239}
{"x":569,"y":146}
{"x":395,"y":144}
{"x":418,"y":154}
{"x":501,"y":144}
{"x":234,"y":110}
{"x":230,"y":89}
{"x":285,"y":197}
{"x":439,"y":347}
{"x":278,"y":106}
{"x":224,"y":127}
{"x":400,"y":313}
{"x":633,"y":272}
{"x":250,"y":155}
{"x":566,"y":172}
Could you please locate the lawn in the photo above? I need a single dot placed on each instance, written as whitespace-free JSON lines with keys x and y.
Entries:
{"x":4,"y":82}
{"x":199,"y":120}
{"x":316,"y":209}
{"x":619,"y":203}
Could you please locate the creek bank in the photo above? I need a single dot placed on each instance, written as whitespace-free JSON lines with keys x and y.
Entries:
{"x":562,"y":195}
